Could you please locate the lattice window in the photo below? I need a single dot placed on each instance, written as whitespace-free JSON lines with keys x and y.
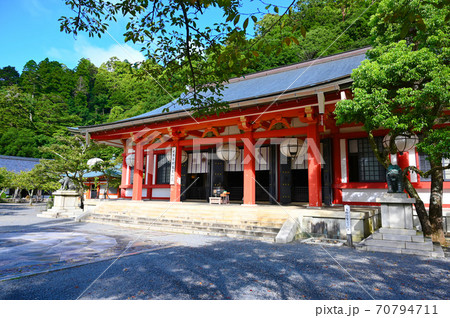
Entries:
{"x":163,"y":170}
{"x":363,"y":165}
{"x":425,"y":165}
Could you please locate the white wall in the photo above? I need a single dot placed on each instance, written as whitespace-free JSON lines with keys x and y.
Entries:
{"x":128,"y":192}
{"x":161,"y":193}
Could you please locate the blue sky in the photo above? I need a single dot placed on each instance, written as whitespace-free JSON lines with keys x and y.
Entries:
{"x":30,"y":31}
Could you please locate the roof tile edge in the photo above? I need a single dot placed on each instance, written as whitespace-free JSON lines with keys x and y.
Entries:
{"x":334,"y":57}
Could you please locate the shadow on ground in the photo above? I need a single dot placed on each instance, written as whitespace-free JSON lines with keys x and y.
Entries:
{"x":243,"y":269}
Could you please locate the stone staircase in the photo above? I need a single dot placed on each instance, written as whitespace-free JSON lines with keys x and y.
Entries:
{"x":401,"y":241}
{"x":261,"y":222}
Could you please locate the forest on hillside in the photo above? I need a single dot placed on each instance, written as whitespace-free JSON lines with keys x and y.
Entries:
{"x":38,"y":103}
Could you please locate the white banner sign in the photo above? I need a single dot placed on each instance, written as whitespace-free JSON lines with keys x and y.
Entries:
{"x":172,"y":165}
{"x":348,"y":219}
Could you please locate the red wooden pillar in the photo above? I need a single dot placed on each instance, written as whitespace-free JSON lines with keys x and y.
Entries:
{"x":314,"y":166}
{"x":124,"y":170}
{"x":175,"y":189}
{"x":403,"y":160}
{"x":337,"y":178}
{"x":249,"y":172}
{"x":138,"y":172}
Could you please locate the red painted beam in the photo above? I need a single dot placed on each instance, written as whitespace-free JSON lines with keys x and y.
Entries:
{"x":260,"y":112}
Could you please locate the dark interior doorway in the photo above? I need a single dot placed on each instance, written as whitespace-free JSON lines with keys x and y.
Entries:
{"x":300,"y":185}
{"x":234,"y":183}
{"x":197,"y":189}
{"x":94,"y":194}
{"x":262,"y":185}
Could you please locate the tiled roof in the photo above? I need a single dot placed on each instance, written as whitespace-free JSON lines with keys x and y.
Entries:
{"x":273,"y":83}
{"x":17,"y":164}
{"x":93,"y":174}
{"x":270,"y":83}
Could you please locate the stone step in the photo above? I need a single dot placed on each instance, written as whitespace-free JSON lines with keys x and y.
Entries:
{"x":251,"y":235}
{"x":384,"y":230}
{"x":197,"y":209}
{"x":437,"y":252}
{"x":394,"y":237}
{"x":259,"y":232}
{"x":392,"y":244}
{"x":199,"y":213}
{"x":423,"y":246}
{"x":383,"y":249}
{"x":170,"y":226}
{"x":230,"y":223}
{"x":266,"y":223}
{"x":426,"y":246}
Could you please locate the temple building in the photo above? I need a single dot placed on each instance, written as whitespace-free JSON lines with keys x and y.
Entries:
{"x":279,"y":142}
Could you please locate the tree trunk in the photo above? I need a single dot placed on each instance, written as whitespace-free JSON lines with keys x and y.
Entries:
{"x":31,"y":196}
{"x":16,"y":193}
{"x":437,"y":182}
{"x":420,"y":207}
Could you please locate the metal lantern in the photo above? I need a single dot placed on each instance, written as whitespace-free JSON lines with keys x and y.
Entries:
{"x":228,"y":152}
{"x":184,"y":156}
{"x":406,"y":142}
{"x":93,"y":161}
{"x":293,"y":147}
{"x":130,"y":160}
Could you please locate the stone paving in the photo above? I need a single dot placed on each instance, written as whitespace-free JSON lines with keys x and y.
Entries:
{"x":161,"y":265}
{"x":30,"y":245}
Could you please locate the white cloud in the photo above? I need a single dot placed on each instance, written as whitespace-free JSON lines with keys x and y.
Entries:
{"x":97,"y":55}
{"x":36,"y":8}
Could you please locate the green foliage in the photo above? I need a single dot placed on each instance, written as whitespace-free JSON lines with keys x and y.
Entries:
{"x":36,"y":179}
{"x":315,"y":29}
{"x":5,"y":179}
{"x":48,"y":97}
{"x":405,"y":87}
{"x":8,"y":76}
{"x":39,"y":178}
{"x":22,"y":142}
{"x":183,"y":47}
{"x":70,"y":155}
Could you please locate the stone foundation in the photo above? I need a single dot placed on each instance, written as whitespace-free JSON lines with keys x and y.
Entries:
{"x":397,"y":234}
{"x":66,"y":205}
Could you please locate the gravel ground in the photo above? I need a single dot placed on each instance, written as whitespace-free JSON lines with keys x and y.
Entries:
{"x":203,"y":267}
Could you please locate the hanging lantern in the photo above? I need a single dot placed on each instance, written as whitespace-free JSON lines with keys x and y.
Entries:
{"x":93,"y":161}
{"x":228,"y":152}
{"x":406,"y":142}
{"x":130,"y":160}
{"x":184,"y":156}
{"x":293,"y":147}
